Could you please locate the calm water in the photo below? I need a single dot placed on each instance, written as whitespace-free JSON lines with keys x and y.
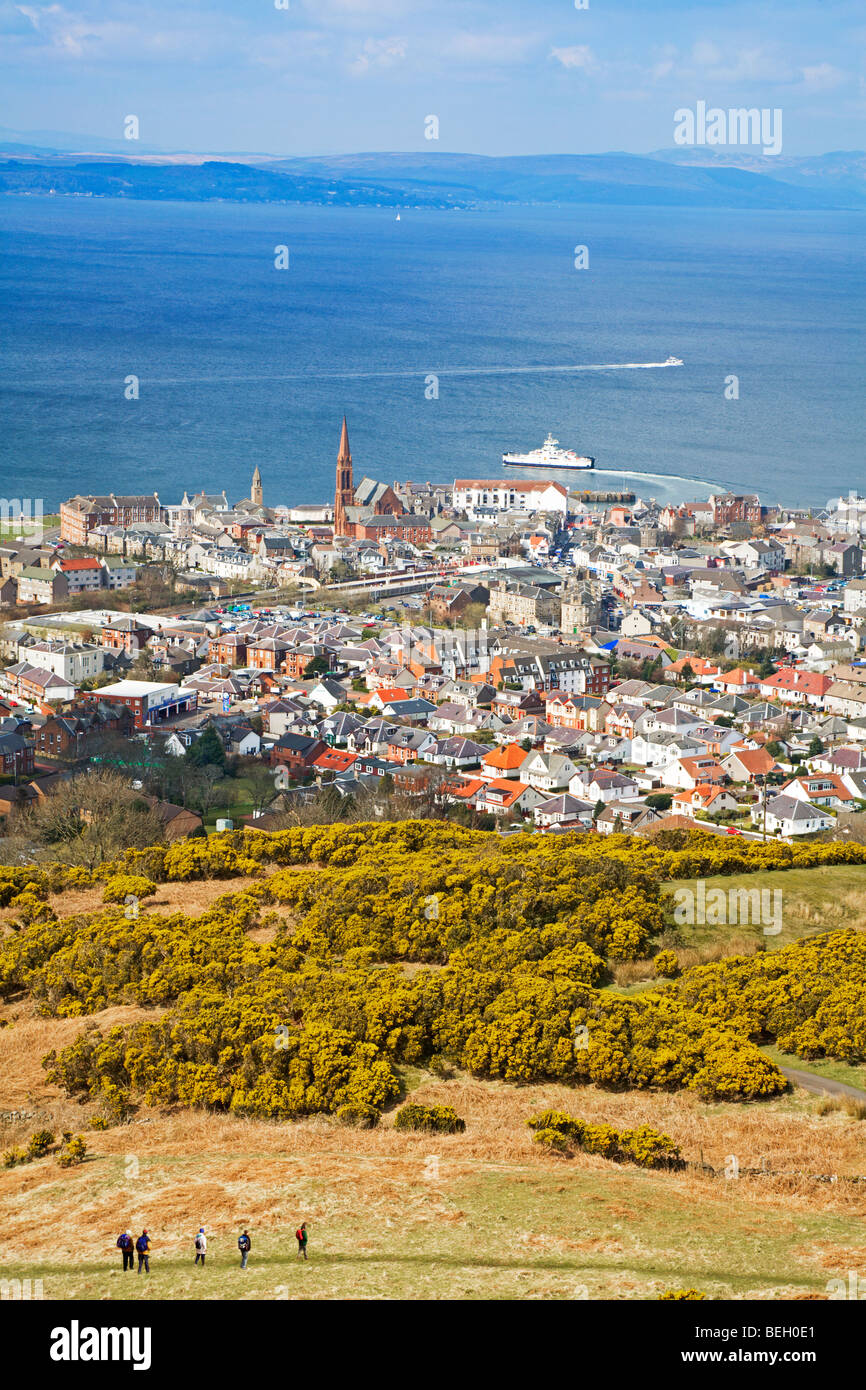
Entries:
{"x":241,"y":364}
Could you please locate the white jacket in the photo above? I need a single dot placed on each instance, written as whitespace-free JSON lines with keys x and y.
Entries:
{"x":201,"y":1242}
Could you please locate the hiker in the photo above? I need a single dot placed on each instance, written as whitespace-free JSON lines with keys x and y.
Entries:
{"x":301,"y":1237}
{"x":124,"y":1245}
{"x":142,"y":1245}
{"x":244,"y":1245}
{"x":200,"y":1246}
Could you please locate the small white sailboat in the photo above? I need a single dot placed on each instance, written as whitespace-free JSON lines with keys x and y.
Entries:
{"x":398,"y":217}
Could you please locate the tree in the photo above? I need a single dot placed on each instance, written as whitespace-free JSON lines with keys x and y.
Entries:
{"x":687,"y":674}
{"x":660,"y":801}
{"x":816,"y":746}
{"x":260,"y":784}
{"x":92,"y":818}
{"x":319,"y":666}
{"x":207,"y":748}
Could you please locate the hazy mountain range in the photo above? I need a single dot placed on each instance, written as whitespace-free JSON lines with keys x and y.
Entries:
{"x":684,"y":177}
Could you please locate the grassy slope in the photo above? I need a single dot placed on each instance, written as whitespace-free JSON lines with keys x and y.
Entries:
{"x":500,"y":1220}
{"x":813,"y":901}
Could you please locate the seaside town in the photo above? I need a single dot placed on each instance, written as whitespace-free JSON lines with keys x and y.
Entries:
{"x":502,"y":651}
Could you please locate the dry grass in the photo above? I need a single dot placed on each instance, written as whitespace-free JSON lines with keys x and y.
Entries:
{"x":846,"y":1105}
{"x":492,"y":1212}
{"x":631,"y":972}
{"x":192,"y":897}
{"x":483,"y":1213}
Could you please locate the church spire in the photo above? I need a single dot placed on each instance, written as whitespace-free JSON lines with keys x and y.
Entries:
{"x":256,"y":488}
{"x":344,"y":494}
{"x":344,"y":456}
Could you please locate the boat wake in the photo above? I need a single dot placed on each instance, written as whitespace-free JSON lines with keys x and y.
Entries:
{"x":659,"y":477}
{"x":422,"y":372}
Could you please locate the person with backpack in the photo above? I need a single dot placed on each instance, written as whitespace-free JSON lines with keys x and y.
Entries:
{"x":142,"y":1245}
{"x":301,"y":1237}
{"x":245,"y":1245}
{"x":124,"y":1245}
{"x":200,"y":1246}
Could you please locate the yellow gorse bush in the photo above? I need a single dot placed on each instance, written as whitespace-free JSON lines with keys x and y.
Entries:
{"x":508,"y":940}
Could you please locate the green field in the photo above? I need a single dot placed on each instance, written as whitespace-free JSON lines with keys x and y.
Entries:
{"x":812,"y":900}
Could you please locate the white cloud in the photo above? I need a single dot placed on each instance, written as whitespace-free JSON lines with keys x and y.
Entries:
{"x":490,"y":48}
{"x":380,"y":53}
{"x":823,"y":77}
{"x":578,"y":56}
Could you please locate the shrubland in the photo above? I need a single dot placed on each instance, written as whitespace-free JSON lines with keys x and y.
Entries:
{"x":412,"y":943}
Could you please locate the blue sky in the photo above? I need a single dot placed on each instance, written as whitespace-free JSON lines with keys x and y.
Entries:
{"x":503,"y":76}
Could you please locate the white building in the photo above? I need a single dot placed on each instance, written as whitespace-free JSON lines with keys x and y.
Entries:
{"x":854,"y":595}
{"x":490,"y":497}
{"x":786,"y":815}
{"x":75,"y":662}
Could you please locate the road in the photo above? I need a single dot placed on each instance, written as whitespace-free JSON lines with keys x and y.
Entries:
{"x":821,"y":1085}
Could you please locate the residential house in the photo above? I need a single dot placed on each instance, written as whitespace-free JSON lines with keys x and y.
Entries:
{"x":548,"y":772}
{"x":500,"y":797}
{"x":789,"y":816}
{"x":564,"y":810}
{"x":688,"y":773}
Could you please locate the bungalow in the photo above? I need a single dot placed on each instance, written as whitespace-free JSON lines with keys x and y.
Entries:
{"x":328,"y":694}
{"x":417,"y":710}
{"x":793,"y":687}
{"x":705,"y":797}
{"x":177,"y":821}
{"x":334,"y":760}
{"x":547,"y":771}
{"x":688,"y":773}
{"x":504,"y":761}
{"x":697,"y":670}
{"x":846,"y":699}
{"x":564,"y":810}
{"x":463,"y":793}
{"x":737,"y":682}
{"x":825,"y":789}
{"x":243,"y":741}
{"x":501,"y":797}
{"x":601,"y":784}
{"x":746,"y":764}
{"x":455,"y":752}
{"x":789,"y":815}
{"x":624,"y":817}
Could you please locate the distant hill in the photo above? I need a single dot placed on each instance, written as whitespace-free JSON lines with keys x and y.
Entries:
{"x":841,"y":172}
{"x":681,"y":178}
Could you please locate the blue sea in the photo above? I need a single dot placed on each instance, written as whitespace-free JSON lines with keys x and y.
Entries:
{"x":240,"y":363}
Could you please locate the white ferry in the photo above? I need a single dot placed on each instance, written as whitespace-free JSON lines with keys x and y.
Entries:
{"x":550,"y":455}
{"x":673,"y":362}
